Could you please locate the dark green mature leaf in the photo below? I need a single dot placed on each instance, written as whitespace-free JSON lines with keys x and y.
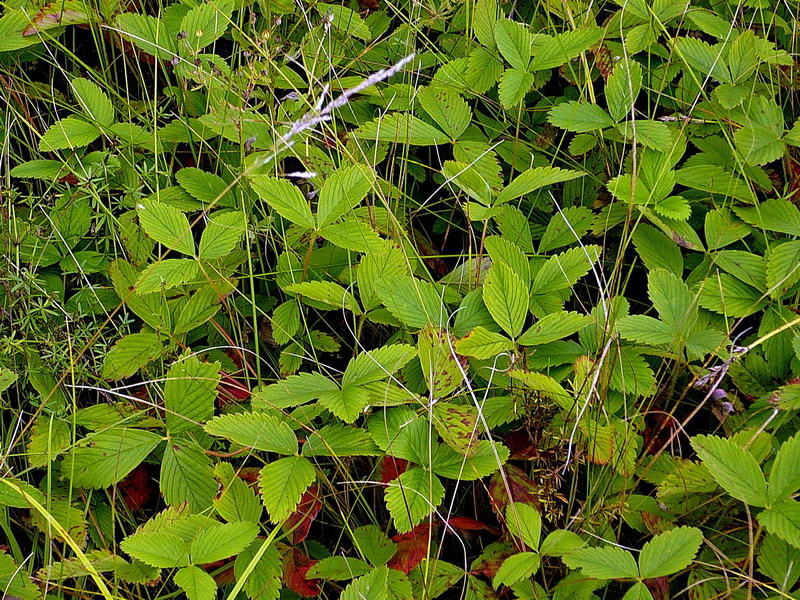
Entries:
{"x":189,"y":393}
{"x":733,"y":468}
{"x":93,"y":101}
{"x":449,"y":110}
{"x":401,"y":128}
{"x":285,"y":198}
{"x":783,"y":519}
{"x":534,"y":179}
{"x":342,"y":191}
{"x":623,"y":88}
{"x":222,"y":234}
{"x":784,"y":476}
{"x":775,"y":214}
{"x":104,"y":458}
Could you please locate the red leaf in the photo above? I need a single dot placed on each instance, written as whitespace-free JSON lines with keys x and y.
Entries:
{"x":301,"y":519}
{"x":392,"y":468}
{"x":137,"y":488}
{"x":70,"y":178}
{"x":231,"y":390}
{"x":467,"y":524}
{"x":659,"y":587}
{"x":412,"y":547}
{"x":295,"y":566}
{"x":520,"y":489}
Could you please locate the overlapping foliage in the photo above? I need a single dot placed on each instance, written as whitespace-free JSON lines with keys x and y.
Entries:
{"x":400,"y":300}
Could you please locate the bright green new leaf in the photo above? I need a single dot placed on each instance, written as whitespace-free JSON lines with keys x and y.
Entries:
{"x":93,"y":101}
{"x":580,"y":117}
{"x":339,"y":440}
{"x":168,"y":226}
{"x":514,"y":42}
{"x":516,"y":568}
{"x":482,"y":344}
{"x":196,"y":583}
{"x":344,"y":189}
{"x":525,"y":523}
{"x":412,"y":497}
{"x":377,"y":364}
{"x":623,"y":88}
{"x":221,"y":540}
{"x":190,"y":393}
{"x":208,"y":188}
{"x":514,"y":84}
{"x":69,"y":132}
{"x":784,"y":477}
{"x":283,"y":483}
{"x":285,"y":198}
{"x":534,"y":179}
{"x":161,"y":549}
{"x":669,"y":552}
{"x":257,"y":430}
{"x":292,"y":391}
{"x":401,"y":128}
{"x":331,"y":295}
{"x":554,"y":51}
{"x":783,"y":520}
{"x":347,"y":403}
{"x":222,"y":234}
{"x":607,"y":562}
{"x":449,"y":110}
{"x":506,"y":298}
{"x":166,"y":274}
{"x":733,"y":468}
{"x":554,"y":326}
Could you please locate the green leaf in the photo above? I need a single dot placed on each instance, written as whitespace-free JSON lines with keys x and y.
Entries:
{"x":346,"y":20}
{"x":237,"y":501}
{"x":330,"y":294}
{"x":186,"y":475}
{"x":554,"y":326}
{"x":514,"y":84}
{"x":413,"y":302}
{"x":733,"y":468}
{"x":779,"y":561}
{"x":525,"y":523}
{"x":338,"y":568}
{"x":608,"y":562}
{"x":705,"y":58}
{"x":339,"y":440}
{"x":784,"y":477}
{"x":516,"y":568}
{"x":283,"y":483}
{"x":438,"y":361}
{"x":377,"y":364}
{"x":656,"y":250}
{"x":401,"y":128}
{"x":622,"y":88}
{"x":638,"y":591}
{"x":715,"y":179}
{"x":204,"y":24}
{"x":208,"y":188}
{"x":103,"y":459}
{"x":534,"y":179}
{"x":93,"y":101}
{"x":651,"y":134}
{"x":484,"y":20}
{"x":412,"y":497}
{"x":102,"y":561}
{"x":221,"y":540}
{"x":645,"y":330}
{"x":758,"y":145}
{"x":372,"y":543}
{"x":347,"y":403}
{"x":564,"y":270}
{"x":342,"y":191}
{"x":469,"y":179}
{"x":352,"y":234}
{"x":161,"y":549}
{"x":196,"y":583}
{"x":167,"y":274}
{"x":257,"y":430}
{"x":564,"y":228}
{"x":167,"y":226}
{"x":448,"y":110}
{"x":49,"y":437}
{"x":775,"y":214}
{"x":669,"y":552}
{"x":292,"y":391}
{"x":487,"y":459}
{"x":727,"y":295}
{"x":284,"y":198}
{"x":671,"y":298}
{"x":783,"y":267}
{"x":69,"y":132}
{"x":580,"y":117}
{"x":146,"y":33}
{"x":783,"y":520}
{"x":514,"y":43}
{"x":222,"y":234}
{"x":482,"y":344}
{"x":130,"y":354}
{"x":190,"y":393}
{"x":560,"y":542}
{"x":506,"y":298}
{"x":554,"y":51}
{"x":264,"y":581}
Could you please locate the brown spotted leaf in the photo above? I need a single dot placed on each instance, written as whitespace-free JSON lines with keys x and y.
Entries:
{"x":511,"y":484}
{"x":58,"y":14}
{"x":438,"y":359}
{"x":458,"y":426}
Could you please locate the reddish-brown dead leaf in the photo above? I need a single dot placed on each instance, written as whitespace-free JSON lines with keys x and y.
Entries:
{"x":137,"y":488}
{"x":412,"y":547}
{"x":295,"y":567}
{"x":299,"y":522}
{"x":520,"y":489}
{"x":392,"y":468}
